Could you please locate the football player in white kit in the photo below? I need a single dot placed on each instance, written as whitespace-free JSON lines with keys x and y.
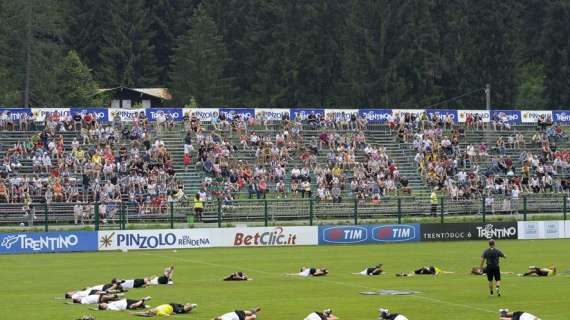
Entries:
{"x":240,"y":315}
{"x":504,"y":314}
{"x":96,"y":298}
{"x":325,"y":315}
{"x":166,"y":277}
{"x":386,"y":315}
{"x":310,"y":272}
{"x":124,"y":304}
{"x":372,"y":271}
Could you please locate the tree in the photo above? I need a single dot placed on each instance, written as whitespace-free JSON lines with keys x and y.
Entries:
{"x":530,"y":91}
{"x":76,"y":86}
{"x":127,"y":53}
{"x":198,"y":63}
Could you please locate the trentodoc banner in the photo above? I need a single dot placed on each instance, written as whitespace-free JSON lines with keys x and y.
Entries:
{"x":369,"y":234}
{"x":30,"y":242}
{"x":468,"y":231}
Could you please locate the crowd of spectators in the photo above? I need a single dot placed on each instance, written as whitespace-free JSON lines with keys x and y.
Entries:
{"x":105,"y":163}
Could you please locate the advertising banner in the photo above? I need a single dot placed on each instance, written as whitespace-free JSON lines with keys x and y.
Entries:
{"x":203,"y":114}
{"x":340,"y":114}
{"x":369,"y":234}
{"x":442,"y":113}
{"x":265,"y":236}
{"x":554,"y":229}
{"x":102,"y":115}
{"x":567,"y":229}
{"x":30,"y":242}
{"x":513,"y":116}
{"x":176,"y":114}
{"x":529,"y":116}
{"x":468,"y":231}
{"x":16,"y":113}
{"x":244,"y":113}
{"x":562,"y":117}
{"x":126,"y":115}
{"x":42,"y":113}
{"x":303,"y":113}
{"x":375,"y":115}
{"x":272,"y":114}
{"x":397,"y":112}
{"x":154,"y":239}
{"x":462,"y":115}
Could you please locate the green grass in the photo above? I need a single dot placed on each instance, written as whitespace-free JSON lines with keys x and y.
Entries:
{"x":30,"y":282}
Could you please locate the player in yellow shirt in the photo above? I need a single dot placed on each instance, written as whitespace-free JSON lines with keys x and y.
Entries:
{"x":168,"y":310}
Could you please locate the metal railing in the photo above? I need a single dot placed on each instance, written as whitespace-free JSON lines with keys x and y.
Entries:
{"x":297,"y":211}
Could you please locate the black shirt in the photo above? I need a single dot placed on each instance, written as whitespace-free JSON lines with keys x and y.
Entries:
{"x":492,"y":256}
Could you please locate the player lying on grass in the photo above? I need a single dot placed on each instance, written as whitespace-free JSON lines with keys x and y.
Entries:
{"x":124,"y":304}
{"x":310,"y":272}
{"x":540,"y":272}
{"x":112,"y":287}
{"x":96,"y":298}
{"x":386,"y":315}
{"x":237,"y":276}
{"x":427,"y":270}
{"x":372,"y":271}
{"x":325,"y":315}
{"x":165,"y":278}
{"x":168,"y":310}
{"x":240,"y":315}
{"x":477,"y":271}
{"x":504,"y":314}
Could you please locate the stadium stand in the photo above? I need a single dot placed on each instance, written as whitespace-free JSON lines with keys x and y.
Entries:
{"x":240,"y":166}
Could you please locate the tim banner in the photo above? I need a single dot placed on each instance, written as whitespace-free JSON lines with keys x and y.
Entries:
{"x":375,"y":115}
{"x":154,"y":239}
{"x":468,"y":231}
{"x":384,"y":233}
{"x":30,"y":242}
{"x":554,"y":229}
{"x":265,"y":236}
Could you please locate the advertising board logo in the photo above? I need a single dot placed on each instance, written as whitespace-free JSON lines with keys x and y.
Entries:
{"x":150,"y":240}
{"x":394,"y":233}
{"x":489,"y":231}
{"x":275,"y":237}
{"x":551,"y":229}
{"x":350,"y":234}
{"x":42,"y":243}
{"x":106,"y":240}
{"x":531,"y":229}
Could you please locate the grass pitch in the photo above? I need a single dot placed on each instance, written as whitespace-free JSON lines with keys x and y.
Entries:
{"x":31,"y":282}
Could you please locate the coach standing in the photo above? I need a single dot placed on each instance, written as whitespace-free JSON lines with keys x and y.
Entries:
{"x":493,"y":270}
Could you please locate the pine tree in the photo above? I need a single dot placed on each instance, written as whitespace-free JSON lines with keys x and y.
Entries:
{"x":127,"y":54}
{"x":198,"y":63}
{"x":76,"y":86}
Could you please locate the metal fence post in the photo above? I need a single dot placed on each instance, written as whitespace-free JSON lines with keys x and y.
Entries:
{"x":564,"y":205}
{"x":311,"y":213}
{"x":265,"y":213}
{"x":219,"y":213}
{"x":171,"y":215}
{"x":399,"y":210}
{"x":484,"y":211}
{"x":96,"y":216}
{"x":46,"y":217}
{"x":525,"y":204}
{"x":355,"y":210}
{"x":442,"y":209}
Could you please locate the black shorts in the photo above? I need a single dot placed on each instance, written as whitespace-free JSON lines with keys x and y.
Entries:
{"x":163,"y":280}
{"x":131,"y":302}
{"x":493,"y":273}
{"x":240,"y":314}
{"x":177,"y":308}
{"x":312,"y":271}
{"x":517,"y":315}
{"x":138,"y":283}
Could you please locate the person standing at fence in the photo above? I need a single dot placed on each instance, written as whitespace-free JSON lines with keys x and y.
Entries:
{"x":198,"y":207}
{"x":434,"y":200}
{"x":492,"y":256}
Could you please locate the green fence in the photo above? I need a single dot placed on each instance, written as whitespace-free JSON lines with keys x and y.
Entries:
{"x":296,"y":211}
